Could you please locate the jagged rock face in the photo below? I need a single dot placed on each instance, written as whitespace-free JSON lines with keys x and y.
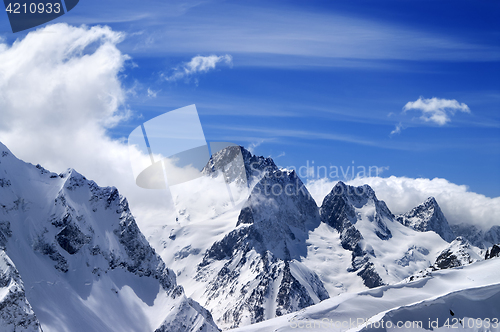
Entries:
{"x":261,"y":276}
{"x":459,"y":253}
{"x":16,"y":313}
{"x":72,"y":242}
{"x":339,"y":209}
{"x":428,"y":217}
{"x":342,"y":208}
{"x":252,"y":169}
{"x":280,"y":210}
{"x":493,"y":252}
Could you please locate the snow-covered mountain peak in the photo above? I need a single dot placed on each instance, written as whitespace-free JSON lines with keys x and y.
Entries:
{"x":254,"y":273}
{"x":239,"y":165}
{"x":281,"y":210}
{"x":428,"y":217}
{"x":346,"y":205}
{"x":82,"y":258}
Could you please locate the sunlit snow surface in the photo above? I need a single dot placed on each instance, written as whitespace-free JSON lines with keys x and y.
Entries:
{"x":84,"y":263}
{"x":472,"y":291}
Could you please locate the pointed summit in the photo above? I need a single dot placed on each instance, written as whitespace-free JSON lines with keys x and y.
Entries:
{"x":351,"y":210}
{"x":338,"y":209}
{"x":428,"y":217}
{"x":249,"y":169}
{"x":73,"y":243}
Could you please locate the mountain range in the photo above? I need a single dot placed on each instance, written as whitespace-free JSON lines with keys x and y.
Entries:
{"x":73,"y":257}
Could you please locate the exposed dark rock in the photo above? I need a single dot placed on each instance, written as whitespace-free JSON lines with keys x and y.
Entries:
{"x":71,"y":239}
{"x":455,"y":255}
{"x":370,"y":277}
{"x":5,"y":233}
{"x":338,"y":211}
{"x":16,"y":313}
{"x":428,"y":217}
{"x":251,"y":170}
{"x":493,"y":252}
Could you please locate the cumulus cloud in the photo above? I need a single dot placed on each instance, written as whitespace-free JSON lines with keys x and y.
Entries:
{"x":59,"y":94}
{"x":436,"y":110}
{"x":402,"y":194}
{"x":199,"y":64}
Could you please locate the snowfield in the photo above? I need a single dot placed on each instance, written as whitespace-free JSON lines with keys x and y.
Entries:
{"x":472,"y":291}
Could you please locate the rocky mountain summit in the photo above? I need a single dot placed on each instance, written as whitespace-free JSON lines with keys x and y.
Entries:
{"x":260,"y":276}
{"x":428,"y":217}
{"x":239,"y":166}
{"x":341,"y":209}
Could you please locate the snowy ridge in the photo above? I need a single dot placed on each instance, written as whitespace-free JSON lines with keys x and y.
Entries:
{"x":459,"y":253}
{"x":476,"y":236}
{"x":84,"y":262}
{"x":467,"y":309}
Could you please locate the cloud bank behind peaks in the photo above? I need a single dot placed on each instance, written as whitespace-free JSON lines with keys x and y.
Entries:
{"x":60,"y":92}
{"x":199,"y":64}
{"x":401,"y":194}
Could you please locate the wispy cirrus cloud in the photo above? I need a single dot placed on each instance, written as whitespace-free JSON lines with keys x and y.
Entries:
{"x":398,"y":129}
{"x":198,"y":65}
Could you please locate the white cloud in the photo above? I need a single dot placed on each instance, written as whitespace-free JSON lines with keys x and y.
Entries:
{"x":436,"y":110}
{"x":199,"y":64}
{"x":401,"y":194}
{"x":59,"y":93}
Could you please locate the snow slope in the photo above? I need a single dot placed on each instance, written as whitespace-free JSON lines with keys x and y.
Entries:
{"x":472,"y":291}
{"x":84,"y":263}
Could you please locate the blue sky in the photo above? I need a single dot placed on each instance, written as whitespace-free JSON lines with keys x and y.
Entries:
{"x":321,"y":80}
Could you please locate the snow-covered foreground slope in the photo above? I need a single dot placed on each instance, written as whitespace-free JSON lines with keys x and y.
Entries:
{"x":83,"y":261}
{"x":472,"y":291}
